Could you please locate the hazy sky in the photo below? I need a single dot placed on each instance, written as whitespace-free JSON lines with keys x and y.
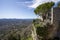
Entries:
{"x":19,"y":8}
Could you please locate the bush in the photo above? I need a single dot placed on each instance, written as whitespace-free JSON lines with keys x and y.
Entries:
{"x":42,"y":31}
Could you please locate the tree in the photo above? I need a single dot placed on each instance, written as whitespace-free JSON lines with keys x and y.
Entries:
{"x":43,"y":9}
{"x":11,"y":38}
{"x":14,"y":37}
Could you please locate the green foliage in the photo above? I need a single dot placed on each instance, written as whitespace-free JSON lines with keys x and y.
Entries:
{"x":43,"y":8}
{"x":14,"y":37}
{"x":42,"y":31}
{"x":11,"y":37}
{"x":38,"y":23}
{"x":34,"y":20}
{"x":29,"y":38}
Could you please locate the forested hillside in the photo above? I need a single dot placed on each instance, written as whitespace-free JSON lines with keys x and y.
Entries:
{"x":15,"y":29}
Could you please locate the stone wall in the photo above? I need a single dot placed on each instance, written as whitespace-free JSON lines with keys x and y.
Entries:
{"x":56,"y":20}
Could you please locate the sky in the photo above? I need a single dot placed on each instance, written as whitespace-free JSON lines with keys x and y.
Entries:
{"x":20,"y":9}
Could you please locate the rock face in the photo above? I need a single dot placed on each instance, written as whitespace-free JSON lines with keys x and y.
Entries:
{"x":54,"y":30}
{"x":34,"y":34}
{"x":54,"y":27}
{"x":56,"y":21}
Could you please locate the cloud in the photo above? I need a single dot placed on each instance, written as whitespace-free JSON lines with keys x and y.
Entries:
{"x":38,"y":2}
{"x":34,"y":3}
{"x":25,"y":3}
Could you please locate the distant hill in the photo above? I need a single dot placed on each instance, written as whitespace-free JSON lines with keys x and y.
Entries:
{"x":8,"y":25}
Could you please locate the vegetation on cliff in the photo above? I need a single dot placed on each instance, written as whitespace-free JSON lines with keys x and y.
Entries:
{"x":43,"y":8}
{"x":41,"y":28}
